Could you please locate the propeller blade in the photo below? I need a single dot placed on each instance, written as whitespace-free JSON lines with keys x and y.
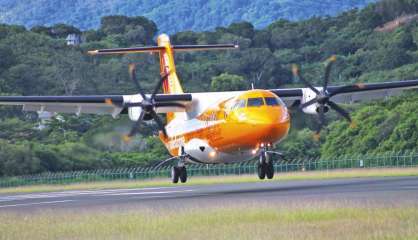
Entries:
{"x":135,"y":128}
{"x":330,"y":61}
{"x":295,"y":71}
{"x":158,"y":86}
{"x":321,"y":123}
{"x":308,"y":103}
{"x":159,"y":122}
{"x":132,"y":74}
{"x":340,"y":110}
{"x":321,"y":118}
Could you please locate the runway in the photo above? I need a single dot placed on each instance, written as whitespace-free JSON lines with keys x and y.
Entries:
{"x":377,"y":191}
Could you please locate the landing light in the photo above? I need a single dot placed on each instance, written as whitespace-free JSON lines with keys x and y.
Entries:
{"x":212,"y":154}
{"x":254,"y":151}
{"x":262,"y":145}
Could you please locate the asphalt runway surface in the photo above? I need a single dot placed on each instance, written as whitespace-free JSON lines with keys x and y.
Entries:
{"x":376,"y":191}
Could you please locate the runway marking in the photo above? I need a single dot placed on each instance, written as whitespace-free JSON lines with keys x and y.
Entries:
{"x":145,"y":193}
{"x":410,"y":187}
{"x":31,"y":204}
{"x":74,"y":193}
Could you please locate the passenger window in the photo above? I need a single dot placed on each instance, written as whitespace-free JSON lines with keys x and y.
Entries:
{"x":255,"y":102}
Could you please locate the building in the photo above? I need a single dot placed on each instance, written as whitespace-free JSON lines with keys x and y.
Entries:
{"x":73,"y":39}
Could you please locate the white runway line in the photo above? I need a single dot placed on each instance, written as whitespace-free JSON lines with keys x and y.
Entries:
{"x":410,"y":187}
{"x":37,"y":203}
{"x":145,"y":193}
{"x":75,"y":193}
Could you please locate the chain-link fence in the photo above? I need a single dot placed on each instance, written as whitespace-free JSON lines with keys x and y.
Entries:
{"x":387,"y":160}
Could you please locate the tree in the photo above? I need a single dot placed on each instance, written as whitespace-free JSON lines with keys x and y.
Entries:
{"x":113,"y":24}
{"x":62,"y":30}
{"x":228,"y":82}
{"x":243,"y":29}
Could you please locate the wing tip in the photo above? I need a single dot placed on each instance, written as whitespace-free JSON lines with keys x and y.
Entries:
{"x":93,"y":52}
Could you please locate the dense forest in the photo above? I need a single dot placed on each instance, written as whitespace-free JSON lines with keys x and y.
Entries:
{"x":37,"y":61}
{"x":171,"y":16}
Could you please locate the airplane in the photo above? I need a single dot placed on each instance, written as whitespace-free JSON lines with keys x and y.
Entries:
{"x":213,"y":127}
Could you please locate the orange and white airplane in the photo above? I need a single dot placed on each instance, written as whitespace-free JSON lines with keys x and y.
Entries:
{"x":213,"y":127}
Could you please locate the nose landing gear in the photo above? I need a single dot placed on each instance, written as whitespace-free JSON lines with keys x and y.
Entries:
{"x":265,"y":165}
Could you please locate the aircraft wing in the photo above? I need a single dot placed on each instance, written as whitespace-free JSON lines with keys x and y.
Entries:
{"x":347,"y":93}
{"x":92,"y":104}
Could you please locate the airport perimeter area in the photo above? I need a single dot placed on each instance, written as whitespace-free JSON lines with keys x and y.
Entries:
{"x":347,"y":208}
{"x":367,"y":197}
{"x":388,"y":164}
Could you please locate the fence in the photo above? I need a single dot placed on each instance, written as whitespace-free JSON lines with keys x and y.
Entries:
{"x":406,"y":159}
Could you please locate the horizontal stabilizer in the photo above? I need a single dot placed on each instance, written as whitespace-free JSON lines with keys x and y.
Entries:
{"x":153,"y":49}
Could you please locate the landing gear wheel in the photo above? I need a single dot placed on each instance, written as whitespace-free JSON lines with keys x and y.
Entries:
{"x":261,"y":166}
{"x":175,"y":174}
{"x":261,"y":170}
{"x":183,"y":174}
{"x":270,"y":170}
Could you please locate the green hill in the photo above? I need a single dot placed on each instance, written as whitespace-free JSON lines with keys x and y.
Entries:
{"x":39,"y":62}
{"x":172,"y":15}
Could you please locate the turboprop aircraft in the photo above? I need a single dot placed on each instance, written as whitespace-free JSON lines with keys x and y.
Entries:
{"x":213,"y":127}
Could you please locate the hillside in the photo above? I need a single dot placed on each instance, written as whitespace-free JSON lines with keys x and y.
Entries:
{"x":170,"y":15}
{"x":39,"y":62}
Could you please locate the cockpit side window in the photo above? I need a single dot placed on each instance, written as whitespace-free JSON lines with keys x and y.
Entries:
{"x":255,"y":102}
{"x":271,"y":101}
{"x":240,"y":103}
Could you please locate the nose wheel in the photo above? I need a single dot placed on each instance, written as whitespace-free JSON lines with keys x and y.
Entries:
{"x":265,"y":167}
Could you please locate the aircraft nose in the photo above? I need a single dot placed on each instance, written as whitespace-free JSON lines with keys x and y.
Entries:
{"x":271,"y":125}
{"x":271,"y":117}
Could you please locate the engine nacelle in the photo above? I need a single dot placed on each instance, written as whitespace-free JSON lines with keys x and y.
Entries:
{"x":134,"y":113}
{"x":308,"y":95}
{"x":314,"y":109}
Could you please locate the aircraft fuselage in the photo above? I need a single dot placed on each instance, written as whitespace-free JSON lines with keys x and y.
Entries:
{"x":232,"y":130}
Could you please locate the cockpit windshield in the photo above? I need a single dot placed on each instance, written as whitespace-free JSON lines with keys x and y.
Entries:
{"x":255,"y":102}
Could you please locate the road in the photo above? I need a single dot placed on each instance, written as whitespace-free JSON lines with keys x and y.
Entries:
{"x":377,"y":191}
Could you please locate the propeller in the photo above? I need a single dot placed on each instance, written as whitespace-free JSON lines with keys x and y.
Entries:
{"x":323,"y":97}
{"x":148,"y":105}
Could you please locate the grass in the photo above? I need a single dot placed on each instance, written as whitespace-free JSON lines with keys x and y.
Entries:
{"x":231,"y":179}
{"x":248,"y":221}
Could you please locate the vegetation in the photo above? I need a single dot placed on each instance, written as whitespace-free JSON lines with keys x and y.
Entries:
{"x":187,"y":15}
{"x":38,"y":62}
{"x":243,"y":221}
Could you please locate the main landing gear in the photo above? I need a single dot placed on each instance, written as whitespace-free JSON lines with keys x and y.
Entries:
{"x":178,"y":172}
